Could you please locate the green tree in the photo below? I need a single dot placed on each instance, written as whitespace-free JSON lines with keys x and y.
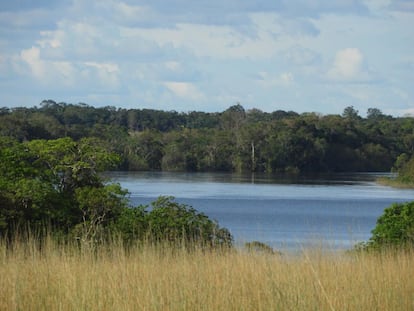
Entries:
{"x":51,"y":182}
{"x":98,"y":206}
{"x":26,"y":195}
{"x":233,"y":117}
{"x":350,"y":113}
{"x":395,"y":227}
{"x":374,"y":113}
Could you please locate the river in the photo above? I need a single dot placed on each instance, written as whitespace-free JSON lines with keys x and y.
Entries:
{"x":331,"y":211}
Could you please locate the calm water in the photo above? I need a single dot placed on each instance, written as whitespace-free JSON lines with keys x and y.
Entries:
{"x":336,"y":211}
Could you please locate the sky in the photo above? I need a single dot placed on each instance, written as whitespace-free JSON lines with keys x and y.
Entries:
{"x":207,"y":55}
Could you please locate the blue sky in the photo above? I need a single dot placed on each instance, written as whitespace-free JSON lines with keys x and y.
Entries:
{"x":206,"y":55}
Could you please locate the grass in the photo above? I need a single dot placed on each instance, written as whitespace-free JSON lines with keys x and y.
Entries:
{"x":62,"y":277}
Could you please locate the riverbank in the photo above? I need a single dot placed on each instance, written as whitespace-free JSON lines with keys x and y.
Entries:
{"x":58,"y":277}
{"x":394,"y":182}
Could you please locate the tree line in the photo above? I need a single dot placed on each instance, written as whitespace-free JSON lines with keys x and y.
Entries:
{"x":234,"y":140}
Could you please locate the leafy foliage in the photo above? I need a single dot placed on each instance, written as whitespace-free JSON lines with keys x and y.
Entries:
{"x":171,"y":221}
{"x":394,"y":229}
{"x":57,"y":183}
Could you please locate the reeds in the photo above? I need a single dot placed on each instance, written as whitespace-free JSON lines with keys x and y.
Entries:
{"x":56,"y":276}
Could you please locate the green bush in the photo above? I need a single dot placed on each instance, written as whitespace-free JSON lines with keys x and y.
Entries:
{"x":131,"y":224}
{"x":174,"y":222}
{"x":168,"y":221}
{"x":394,"y":229}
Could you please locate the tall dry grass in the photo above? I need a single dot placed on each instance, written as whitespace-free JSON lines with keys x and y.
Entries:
{"x":62,"y":277}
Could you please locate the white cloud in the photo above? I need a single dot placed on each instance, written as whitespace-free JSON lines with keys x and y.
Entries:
{"x":32,"y":58}
{"x":347,"y":65}
{"x":62,"y":73}
{"x":221,"y":42}
{"x":51,"y":39}
{"x":184,"y":90}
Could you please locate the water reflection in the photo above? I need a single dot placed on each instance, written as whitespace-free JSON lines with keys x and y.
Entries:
{"x":254,"y":178}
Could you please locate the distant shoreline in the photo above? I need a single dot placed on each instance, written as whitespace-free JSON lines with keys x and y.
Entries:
{"x":393,"y":182}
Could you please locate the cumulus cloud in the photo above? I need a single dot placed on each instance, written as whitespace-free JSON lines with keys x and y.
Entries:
{"x":347,"y":65}
{"x":65,"y":73}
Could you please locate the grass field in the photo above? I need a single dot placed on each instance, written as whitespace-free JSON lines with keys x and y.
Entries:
{"x":56,"y":277}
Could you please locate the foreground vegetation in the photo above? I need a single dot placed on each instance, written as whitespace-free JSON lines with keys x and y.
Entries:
{"x":394,"y":229}
{"x":65,"y":277}
{"x":55,"y":184}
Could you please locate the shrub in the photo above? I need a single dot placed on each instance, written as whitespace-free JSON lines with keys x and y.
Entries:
{"x":395,"y":228}
{"x":174,"y":222}
{"x":131,"y":224}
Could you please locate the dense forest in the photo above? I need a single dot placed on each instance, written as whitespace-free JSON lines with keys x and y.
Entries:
{"x":235,"y":140}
